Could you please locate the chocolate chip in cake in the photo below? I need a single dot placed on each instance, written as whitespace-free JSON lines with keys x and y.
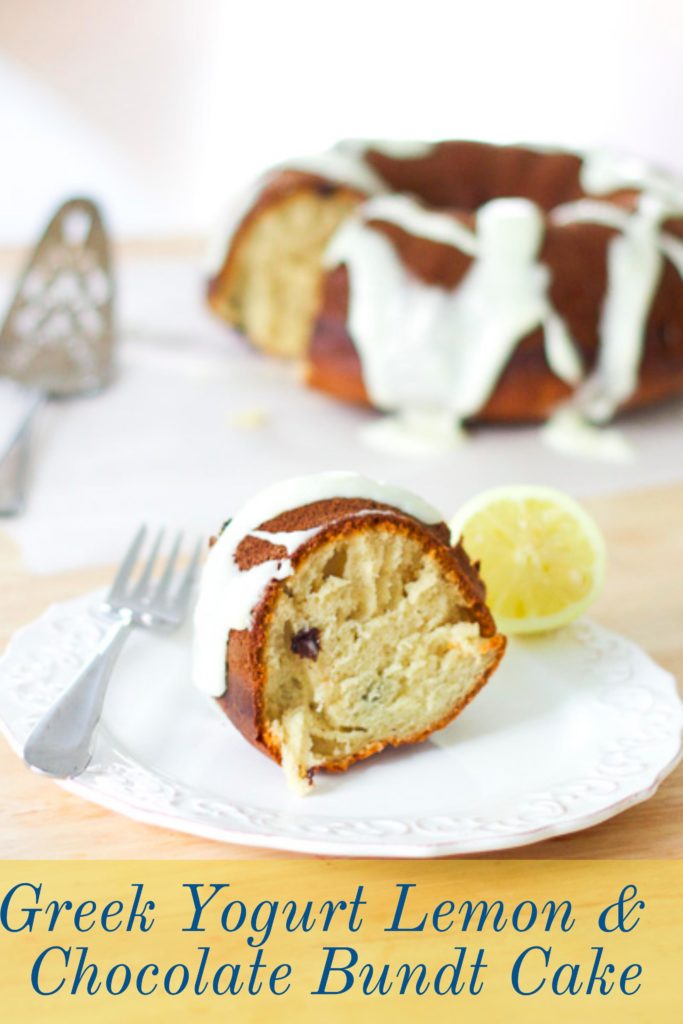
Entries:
{"x":326,"y":189}
{"x":306,"y":643}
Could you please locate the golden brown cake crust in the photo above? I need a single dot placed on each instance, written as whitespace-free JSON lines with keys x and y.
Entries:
{"x":243,"y":700}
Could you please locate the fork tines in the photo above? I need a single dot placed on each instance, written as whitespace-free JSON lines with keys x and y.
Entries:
{"x":161,"y":591}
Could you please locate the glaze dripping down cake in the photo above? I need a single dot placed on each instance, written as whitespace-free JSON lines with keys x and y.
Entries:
{"x":479,"y":282}
{"x":335,"y":619}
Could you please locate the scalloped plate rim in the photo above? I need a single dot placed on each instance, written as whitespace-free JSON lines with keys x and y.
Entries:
{"x":340,"y":846}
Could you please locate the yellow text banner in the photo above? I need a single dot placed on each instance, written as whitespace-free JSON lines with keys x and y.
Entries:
{"x":319,"y":940}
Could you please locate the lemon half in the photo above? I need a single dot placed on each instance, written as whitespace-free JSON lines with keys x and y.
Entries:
{"x":542,"y":556}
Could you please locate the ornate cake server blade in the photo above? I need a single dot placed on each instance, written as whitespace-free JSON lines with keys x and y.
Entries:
{"x":58,"y":336}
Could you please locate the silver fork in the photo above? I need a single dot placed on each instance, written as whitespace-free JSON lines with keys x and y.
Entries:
{"x":61,"y":743}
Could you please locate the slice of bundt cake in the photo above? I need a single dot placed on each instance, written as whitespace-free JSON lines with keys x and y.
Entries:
{"x":269,"y":284}
{"x":335,"y":618}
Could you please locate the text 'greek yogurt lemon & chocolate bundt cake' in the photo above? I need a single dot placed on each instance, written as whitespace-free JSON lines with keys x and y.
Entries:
{"x":492,"y":283}
{"x":335,"y":618}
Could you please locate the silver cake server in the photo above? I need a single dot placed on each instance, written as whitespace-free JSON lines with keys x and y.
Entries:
{"x":58,"y":338}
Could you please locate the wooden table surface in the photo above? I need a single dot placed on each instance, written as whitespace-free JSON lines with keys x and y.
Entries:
{"x":643,"y":599}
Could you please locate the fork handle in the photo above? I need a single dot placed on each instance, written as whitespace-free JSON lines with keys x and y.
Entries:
{"x":61,"y":743}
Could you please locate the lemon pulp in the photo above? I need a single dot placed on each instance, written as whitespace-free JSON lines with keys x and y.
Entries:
{"x":542,"y":556}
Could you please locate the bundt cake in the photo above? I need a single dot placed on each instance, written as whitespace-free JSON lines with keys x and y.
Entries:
{"x":335,"y":618}
{"x":486,"y":283}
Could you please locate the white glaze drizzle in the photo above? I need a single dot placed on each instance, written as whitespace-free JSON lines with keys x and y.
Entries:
{"x":347,"y":162}
{"x":428,"y":348}
{"x":406,"y":213}
{"x":635,"y":263}
{"x":569,"y":432}
{"x":435,"y":321}
{"x":414,"y":434}
{"x":228,"y":595}
{"x":289,"y":540}
{"x":344,"y":164}
{"x":634,"y":267}
{"x":560,"y":351}
{"x":405,"y":353}
{"x":590,"y":211}
{"x":603,"y":172}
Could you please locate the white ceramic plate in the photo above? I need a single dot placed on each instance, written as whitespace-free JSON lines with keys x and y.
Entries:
{"x":572,"y":729}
